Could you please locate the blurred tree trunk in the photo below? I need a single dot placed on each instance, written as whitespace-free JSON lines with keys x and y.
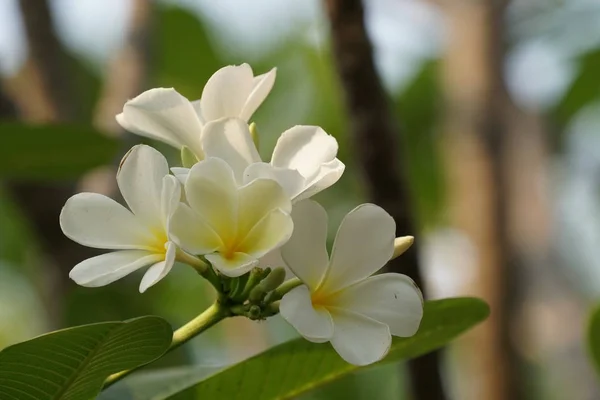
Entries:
{"x":375,"y":135}
{"x":44,"y":92}
{"x":477,"y":125}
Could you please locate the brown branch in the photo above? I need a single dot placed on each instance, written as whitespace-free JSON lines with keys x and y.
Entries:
{"x":49,"y":57}
{"x":128,"y":71}
{"x":42,"y":202}
{"x":375,"y":135}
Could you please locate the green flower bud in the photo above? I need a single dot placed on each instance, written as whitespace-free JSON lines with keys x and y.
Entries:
{"x":188,"y":158}
{"x":254,"y":312}
{"x":254,"y":134}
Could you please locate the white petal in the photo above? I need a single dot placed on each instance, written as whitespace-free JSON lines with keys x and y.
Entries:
{"x":289,"y":179}
{"x":257,"y":199}
{"x":363,"y":244}
{"x":107,"y":268}
{"x":236,"y":265}
{"x":191,"y":232}
{"x":170,"y":197}
{"x":230,"y":140}
{"x":165,"y":115}
{"x":328,"y":174}
{"x":261,"y":86}
{"x":140,"y":180}
{"x":314,"y":324}
{"x":95,"y":220}
{"x":306,"y":252}
{"x":269,"y":233}
{"x":159,"y":270}
{"x":358,"y":339}
{"x":304,"y":148}
{"x":211,"y":192}
{"x":180,"y":173}
{"x":392,"y":299}
{"x":225,"y":93}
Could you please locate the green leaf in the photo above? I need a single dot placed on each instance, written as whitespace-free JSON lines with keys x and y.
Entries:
{"x":73,"y":363}
{"x":299,"y":366}
{"x":593,"y":337}
{"x":584,"y":90}
{"x":157,"y":384}
{"x":186,"y":58}
{"x":43,"y":152}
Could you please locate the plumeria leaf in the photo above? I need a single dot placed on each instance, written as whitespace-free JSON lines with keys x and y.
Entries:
{"x":299,"y":366}
{"x":43,"y":152}
{"x":593,"y":336}
{"x":73,"y":363}
{"x":157,"y":384}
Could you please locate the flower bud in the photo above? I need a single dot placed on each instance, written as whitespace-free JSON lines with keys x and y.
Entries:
{"x":188,"y":158}
{"x":401,"y":244}
{"x":254,"y":134}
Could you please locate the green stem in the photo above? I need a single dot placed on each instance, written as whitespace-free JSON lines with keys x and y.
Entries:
{"x":287,"y":286}
{"x":202,"y":322}
{"x":192,"y":261}
{"x":203,"y":268}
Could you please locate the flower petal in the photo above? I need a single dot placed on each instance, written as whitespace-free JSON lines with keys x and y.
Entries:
{"x":392,"y":299}
{"x":191,"y":232}
{"x":304,"y":148}
{"x":306,"y":253}
{"x":180,"y":173}
{"x":170,"y":197}
{"x":225,"y":93}
{"x":363,"y":244}
{"x":257,"y":199}
{"x":358,"y":339}
{"x":107,"y":268}
{"x":159,"y":270}
{"x":328,"y":174}
{"x":314,"y":324}
{"x":140,"y":180}
{"x":233,"y":266}
{"x":95,"y":220}
{"x":261,"y":86}
{"x":165,"y":115}
{"x":269,"y":233}
{"x":211,"y":192}
{"x":289,"y":179}
{"x":230,"y":140}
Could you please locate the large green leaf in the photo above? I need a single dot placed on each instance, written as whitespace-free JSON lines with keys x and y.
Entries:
{"x":52,"y":151}
{"x":73,"y":363}
{"x":299,"y":366}
{"x":594,"y":337}
{"x":157,"y":384}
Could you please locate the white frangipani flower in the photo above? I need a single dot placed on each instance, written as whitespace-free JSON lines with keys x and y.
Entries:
{"x":164,"y":114}
{"x":232,"y":224}
{"x":303,"y":162}
{"x":140,"y":236}
{"x":340,"y":301}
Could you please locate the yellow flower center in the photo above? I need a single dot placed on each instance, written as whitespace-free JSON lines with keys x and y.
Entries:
{"x":159,"y":240}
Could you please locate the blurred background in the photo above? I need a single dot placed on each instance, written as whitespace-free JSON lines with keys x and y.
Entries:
{"x":475,"y":123}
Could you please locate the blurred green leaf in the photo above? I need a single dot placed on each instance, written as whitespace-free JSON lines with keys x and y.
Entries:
{"x":418,"y":107}
{"x":593,"y":337}
{"x":158,"y":384}
{"x":52,"y":152}
{"x":185,"y":56}
{"x":73,"y":363}
{"x":299,"y":366}
{"x":584,"y":90}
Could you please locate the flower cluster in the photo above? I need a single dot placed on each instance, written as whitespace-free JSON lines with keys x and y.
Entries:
{"x":226,"y":211}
